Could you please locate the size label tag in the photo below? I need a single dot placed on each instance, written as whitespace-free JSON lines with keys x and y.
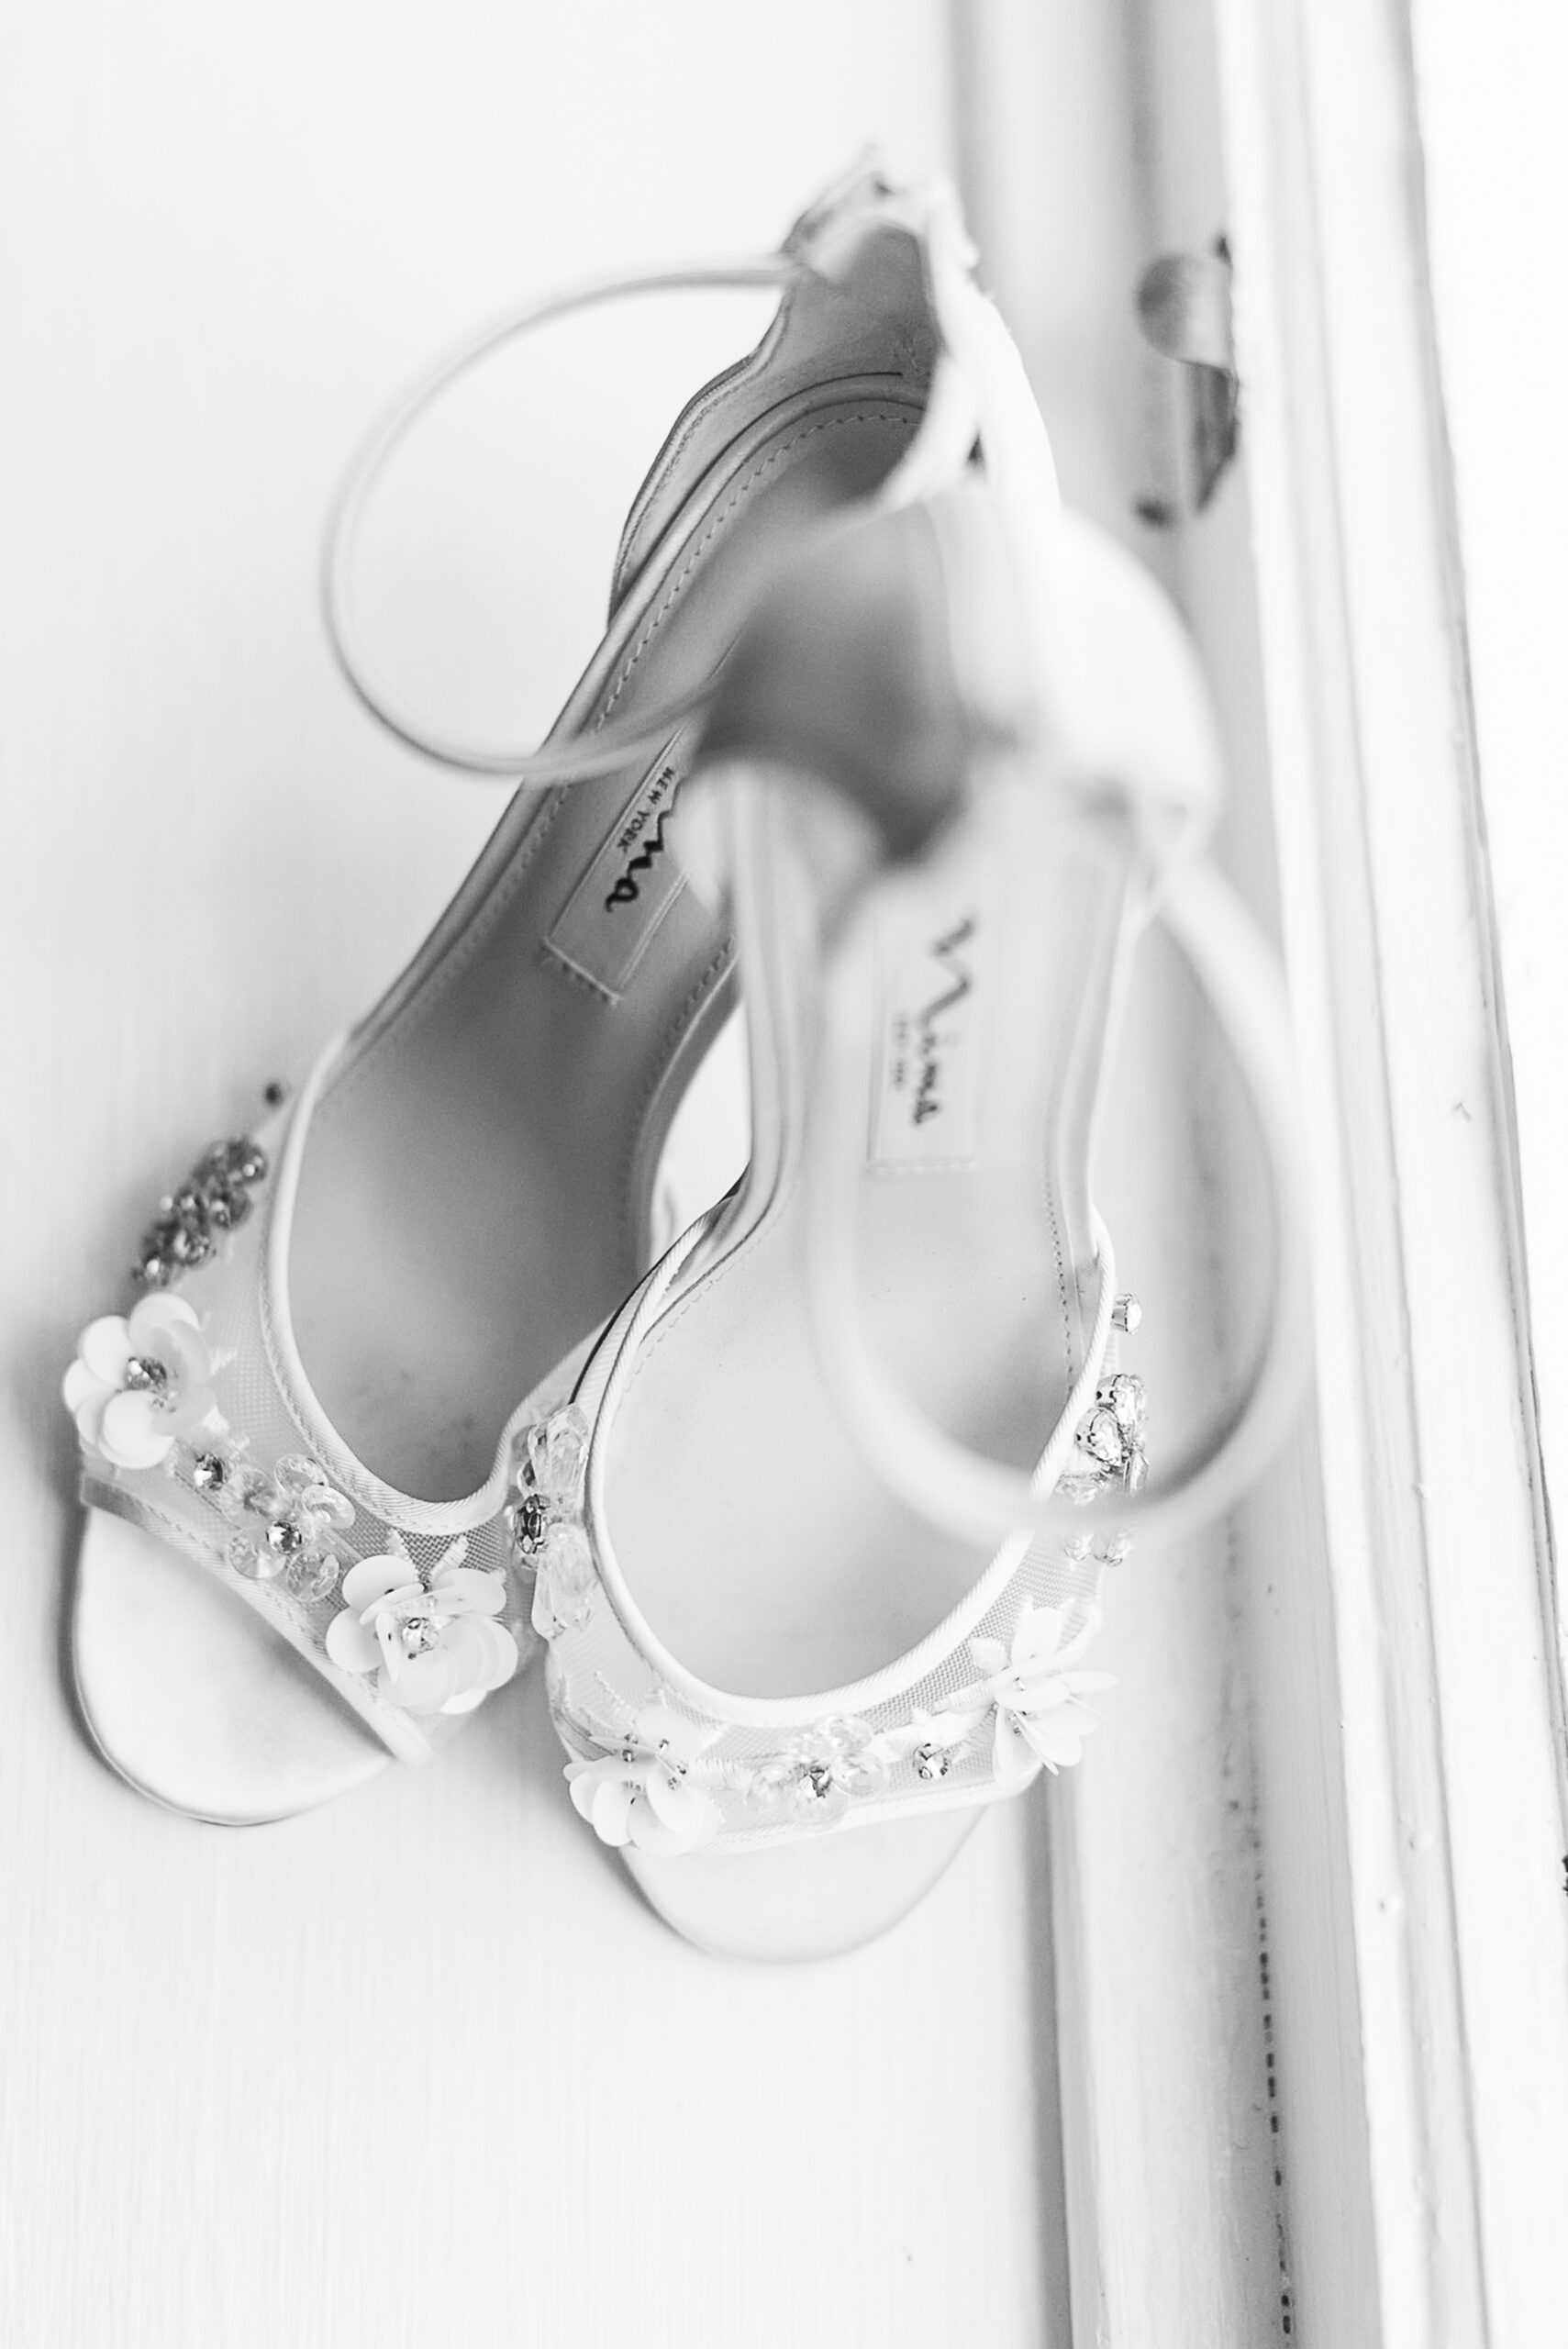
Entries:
{"x":606,"y":924}
{"x":924,"y":1109}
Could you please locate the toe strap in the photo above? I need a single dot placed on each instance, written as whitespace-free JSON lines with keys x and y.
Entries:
{"x":191,"y":1427}
{"x":407,"y":1737}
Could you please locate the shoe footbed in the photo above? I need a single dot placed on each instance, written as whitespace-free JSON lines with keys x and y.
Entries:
{"x":473,"y":1199}
{"x":755,"y":1541}
{"x":817,"y":1897}
{"x":977,"y":1279}
{"x":193,"y":1697}
{"x":467,"y":1212}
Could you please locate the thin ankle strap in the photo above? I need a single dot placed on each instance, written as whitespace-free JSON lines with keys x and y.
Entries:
{"x":980,"y":1499}
{"x":976,"y":356}
{"x":574,"y":761}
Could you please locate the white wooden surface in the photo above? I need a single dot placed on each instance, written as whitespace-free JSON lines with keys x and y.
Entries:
{"x":419,"y":2066}
{"x":1383,"y":1699}
{"x":1173,"y":2208}
{"x":1496,"y":183}
{"x":1411,"y":1824}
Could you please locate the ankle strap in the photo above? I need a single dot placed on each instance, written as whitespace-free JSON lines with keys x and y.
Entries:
{"x":980,"y":1499}
{"x":978,"y":376}
{"x":573,"y":761}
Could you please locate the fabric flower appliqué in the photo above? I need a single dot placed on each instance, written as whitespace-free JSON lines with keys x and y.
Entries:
{"x":1040,"y":1718}
{"x":642,"y":1793}
{"x":428,"y":1633}
{"x":299,"y":1519}
{"x":821,"y":1773}
{"x":546,"y":1521}
{"x":140,"y":1383}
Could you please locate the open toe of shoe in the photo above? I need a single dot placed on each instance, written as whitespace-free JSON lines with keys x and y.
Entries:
{"x":197,"y":1702}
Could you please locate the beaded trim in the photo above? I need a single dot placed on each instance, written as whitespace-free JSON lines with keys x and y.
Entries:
{"x":669,"y":1779}
{"x":191,"y":1221}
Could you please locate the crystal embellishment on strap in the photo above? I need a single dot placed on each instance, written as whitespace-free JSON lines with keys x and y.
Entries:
{"x":814,"y":1783}
{"x":192,"y":1221}
{"x":1107,"y":1448}
{"x":290,"y":1524}
{"x":545,"y":1520}
{"x":653,"y":1776}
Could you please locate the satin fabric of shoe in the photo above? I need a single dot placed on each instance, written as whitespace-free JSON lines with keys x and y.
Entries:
{"x":476,"y":1196}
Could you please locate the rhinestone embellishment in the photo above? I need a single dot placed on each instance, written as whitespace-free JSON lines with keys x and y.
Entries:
{"x":531,"y":1518}
{"x":817,"y":1778}
{"x":214,"y":1198}
{"x":544,"y":1520}
{"x":302,"y":1517}
{"x":1109,"y":1442}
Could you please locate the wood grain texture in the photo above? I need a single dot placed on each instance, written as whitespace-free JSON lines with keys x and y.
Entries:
{"x":1428,"y":1712}
{"x":1173,"y":2185}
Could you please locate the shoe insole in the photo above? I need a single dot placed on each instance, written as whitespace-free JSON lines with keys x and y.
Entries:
{"x":766,"y":1555}
{"x":475,"y":1195}
{"x":195,"y":1698}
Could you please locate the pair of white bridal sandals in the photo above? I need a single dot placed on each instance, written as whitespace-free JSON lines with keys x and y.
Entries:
{"x":811,"y":1516}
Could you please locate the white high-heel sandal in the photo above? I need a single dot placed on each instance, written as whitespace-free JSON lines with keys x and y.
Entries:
{"x":819,"y":1541}
{"x":298,"y":1446}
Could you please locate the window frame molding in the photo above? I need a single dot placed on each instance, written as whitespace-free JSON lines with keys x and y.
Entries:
{"x":1395,"y":1644}
{"x":1431,"y":1482}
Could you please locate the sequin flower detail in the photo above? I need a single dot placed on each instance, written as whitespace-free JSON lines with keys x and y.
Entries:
{"x":642,"y":1794}
{"x":428,"y":1633}
{"x":545,"y":1521}
{"x":137,"y":1383}
{"x":299,"y":1519}
{"x":1040,"y":1717}
{"x":821,"y":1773}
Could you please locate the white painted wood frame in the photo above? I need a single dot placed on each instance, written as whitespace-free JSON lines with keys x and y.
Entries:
{"x":1395,"y":1718}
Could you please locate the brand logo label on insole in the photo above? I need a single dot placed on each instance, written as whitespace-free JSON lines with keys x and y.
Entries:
{"x":925,"y":1108}
{"x":605,"y":926}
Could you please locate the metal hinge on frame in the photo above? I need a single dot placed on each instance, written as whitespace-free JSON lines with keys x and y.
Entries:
{"x":1184,"y":308}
